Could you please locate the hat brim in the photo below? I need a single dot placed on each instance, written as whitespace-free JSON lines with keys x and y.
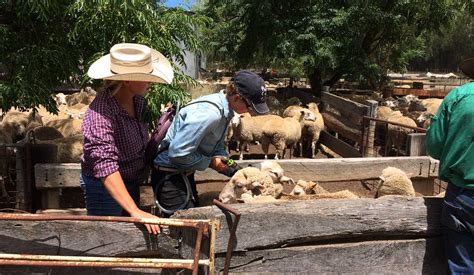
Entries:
{"x":260,"y":108}
{"x":162,"y":70}
{"x":467,"y":67}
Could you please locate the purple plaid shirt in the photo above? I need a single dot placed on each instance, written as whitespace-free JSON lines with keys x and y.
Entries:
{"x":113,"y":140}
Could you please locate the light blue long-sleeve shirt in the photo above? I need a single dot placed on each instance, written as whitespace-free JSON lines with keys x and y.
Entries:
{"x":196,"y":135}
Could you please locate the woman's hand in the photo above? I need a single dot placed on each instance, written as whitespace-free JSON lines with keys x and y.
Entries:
{"x":152,"y":228}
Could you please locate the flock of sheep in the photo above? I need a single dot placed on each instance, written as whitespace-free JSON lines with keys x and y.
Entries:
{"x":285,"y":128}
{"x":289,"y":125}
{"x":264,"y":183}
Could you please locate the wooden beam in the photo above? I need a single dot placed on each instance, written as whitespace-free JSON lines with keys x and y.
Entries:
{"x":344,"y":104}
{"x":420,"y":256}
{"x":338,"y":146}
{"x":280,"y":224}
{"x":416,"y":144}
{"x":49,"y":175}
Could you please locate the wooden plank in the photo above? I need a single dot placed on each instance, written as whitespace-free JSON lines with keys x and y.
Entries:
{"x":280,"y":224}
{"x":420,"y":256}
{"x":416,"y":144}
{"x":84,"y":238}
{"x":434,"y":167}
{"x":54,"y":175}
{"x":338,"y":146}
{"x":344,"y":104}
{"x":344,"y":169}
{"x":441,"y":93}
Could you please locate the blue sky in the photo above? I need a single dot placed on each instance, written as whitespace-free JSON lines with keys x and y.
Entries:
{"x":176,"y":3}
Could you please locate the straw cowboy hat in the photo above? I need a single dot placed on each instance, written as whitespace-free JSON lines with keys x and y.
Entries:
{"x":132,"y":62}
{"x":467,"y":67}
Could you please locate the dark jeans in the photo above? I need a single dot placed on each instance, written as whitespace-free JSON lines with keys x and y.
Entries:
{"x":98,"y":200}
{"x":171,"y":192}
{"x":458,"y":229}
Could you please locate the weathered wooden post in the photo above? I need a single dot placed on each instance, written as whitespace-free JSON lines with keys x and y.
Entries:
{"x":372,"y":112}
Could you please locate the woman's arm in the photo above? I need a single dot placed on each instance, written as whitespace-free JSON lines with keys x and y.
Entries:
{"x":116,"y":188}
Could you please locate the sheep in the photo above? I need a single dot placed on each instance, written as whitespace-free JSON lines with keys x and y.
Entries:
{"x":60,"y":99}
{"x":275,"y":171}
{"x":69,"y":149}
{"x":68,"y":127}
{"x":77,"y":111}
{"x":46,"y":116}
{"x":250,"y":183}
{"x":394,"y":181}
{"x":397,"y":134}
{"x":16,"y":123}
{"x":248,"y":129}
{"x":432,"y":106}
{"x":312,"y":128}
{"x":283,"y":132}
{"x":41,"y":133}
{"x":244,"y":181}
{"x":303,"y":188}
{"x":85,"y":97}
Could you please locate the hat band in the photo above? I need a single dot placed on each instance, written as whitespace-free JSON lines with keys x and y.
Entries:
{"x":122,"y":67}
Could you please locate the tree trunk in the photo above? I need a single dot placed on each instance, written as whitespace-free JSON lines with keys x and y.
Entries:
{"x":316,"y":82}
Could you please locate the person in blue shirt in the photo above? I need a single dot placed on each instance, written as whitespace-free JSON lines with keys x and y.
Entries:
{"x":195,"y":140}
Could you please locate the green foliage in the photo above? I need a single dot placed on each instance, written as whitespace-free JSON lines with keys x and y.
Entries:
{"x":324,"y":40}
{"x":52,"y":43}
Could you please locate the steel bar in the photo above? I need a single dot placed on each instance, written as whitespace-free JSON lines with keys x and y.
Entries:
{"x":169,"y":222}
{"x":82,"y":261}
{"x":232,"y":236}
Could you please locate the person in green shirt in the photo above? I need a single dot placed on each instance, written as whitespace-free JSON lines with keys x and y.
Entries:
{"x":450,"y":138}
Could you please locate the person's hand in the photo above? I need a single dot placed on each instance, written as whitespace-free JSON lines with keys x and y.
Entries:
{"x":218,"y":164}
{"x":152,"y":228}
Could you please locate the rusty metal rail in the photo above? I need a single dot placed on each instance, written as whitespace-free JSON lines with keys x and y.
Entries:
{"x":202,"y":227}
{"x":365,"y":133}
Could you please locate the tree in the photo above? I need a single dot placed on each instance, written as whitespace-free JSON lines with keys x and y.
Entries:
{"x":46,"y":44}
{"x":324,"y":40}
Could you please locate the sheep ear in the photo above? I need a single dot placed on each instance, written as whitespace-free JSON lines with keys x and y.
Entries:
{"x":382,"y":178}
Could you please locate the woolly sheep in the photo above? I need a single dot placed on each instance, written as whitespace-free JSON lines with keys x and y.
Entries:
{"x":303,"y":188}
{"x":244,"y":180}
{"x":68,"y":127}
{"x":247,"y":129}
{"x":69,"y":149}
{"x":41,"y":133}
{"x":394,"y":181}
{"x":16,"y":123}
{"x":432,"y":106}
{"x":274,"y":170}
{"x":283,"y":132}
{"x":397,"y":134}
{"x":60,"y":99}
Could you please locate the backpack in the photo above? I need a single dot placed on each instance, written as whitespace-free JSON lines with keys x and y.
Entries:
{"x":162,"y":126}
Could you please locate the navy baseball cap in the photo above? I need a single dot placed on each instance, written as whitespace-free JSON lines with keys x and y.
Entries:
{"x":252,"y":87}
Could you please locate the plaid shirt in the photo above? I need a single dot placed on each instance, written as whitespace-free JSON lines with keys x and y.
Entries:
{"x":113,"y":140}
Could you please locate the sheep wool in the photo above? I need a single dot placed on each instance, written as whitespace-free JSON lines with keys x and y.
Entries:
{"x":394,"y":182}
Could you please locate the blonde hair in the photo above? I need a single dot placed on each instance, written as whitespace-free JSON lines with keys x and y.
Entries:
{"x":111,"y":87}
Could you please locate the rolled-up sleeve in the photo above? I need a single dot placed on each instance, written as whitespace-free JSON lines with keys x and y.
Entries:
{"x":101,"y":148}
{"x":184,"y":149}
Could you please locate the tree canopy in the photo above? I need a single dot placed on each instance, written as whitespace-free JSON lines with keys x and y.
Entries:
{"x":47,"y":44}
{"x":325,"y":40}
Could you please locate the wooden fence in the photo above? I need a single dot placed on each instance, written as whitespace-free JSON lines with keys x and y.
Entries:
{"x":385,"y":235}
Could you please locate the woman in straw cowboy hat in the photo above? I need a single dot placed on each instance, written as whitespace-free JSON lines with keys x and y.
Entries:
{"x":114,"y":135}
{"x":450,"y":139}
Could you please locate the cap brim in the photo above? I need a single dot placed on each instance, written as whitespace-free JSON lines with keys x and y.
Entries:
{"x":467,"y":67}
{"x":260,"y":108}
{"x":162,"y":70}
